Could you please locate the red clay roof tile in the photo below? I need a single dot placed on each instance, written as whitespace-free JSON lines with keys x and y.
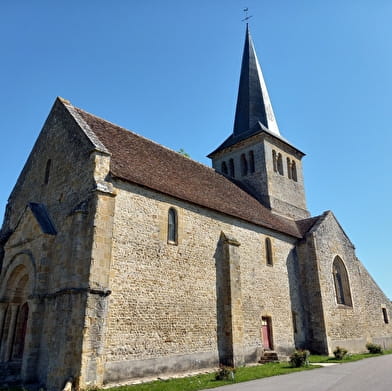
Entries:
{"x":139,"y":160}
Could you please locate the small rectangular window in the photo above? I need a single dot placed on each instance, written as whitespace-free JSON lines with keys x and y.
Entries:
{"x":385,"y":315}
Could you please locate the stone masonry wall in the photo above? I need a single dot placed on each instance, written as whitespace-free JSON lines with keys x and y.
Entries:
{"x":285,"y":196}
{"x":163,"y":306}
{"x":62,"y":261}
{"x":349,"y":326}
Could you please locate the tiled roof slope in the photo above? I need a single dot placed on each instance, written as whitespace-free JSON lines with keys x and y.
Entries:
{"x":306,"y":225}
{"x":138,"y":160}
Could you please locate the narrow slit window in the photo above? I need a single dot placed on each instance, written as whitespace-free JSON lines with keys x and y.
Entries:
{"x":47,"y":171}
{"x":268,"y":252}
{"x":251,"y":157}
{"x":172,"y":228}
{"x":244,"y":165}
{"x":274,"y":160}
{"x":295,"y":327}
{"x":224,"y":168}
{"x":231,"y":168}
{"x":294,"y":171}
{"x":385,"y":315}
{"x":280,"y":164}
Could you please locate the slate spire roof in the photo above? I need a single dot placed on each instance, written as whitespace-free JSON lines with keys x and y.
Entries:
{"x":253,"y":102}
{"x":254,"y":113}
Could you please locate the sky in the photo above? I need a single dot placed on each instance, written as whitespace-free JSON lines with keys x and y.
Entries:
{"x":169,"y":70}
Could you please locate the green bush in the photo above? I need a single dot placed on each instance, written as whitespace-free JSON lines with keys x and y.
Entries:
{"x":299,"y":358}
{"x":340,"y":353}
{"x":374,"y":348}
{"x":225,"y":373}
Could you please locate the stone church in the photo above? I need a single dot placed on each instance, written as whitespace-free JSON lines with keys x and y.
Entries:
{"x":122,"y":259}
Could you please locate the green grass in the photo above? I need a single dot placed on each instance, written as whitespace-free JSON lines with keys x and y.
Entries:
{"x":349,"y":358}
{"x":206,"y":381}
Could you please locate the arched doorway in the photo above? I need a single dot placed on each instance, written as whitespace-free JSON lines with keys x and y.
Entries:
{"x":20,"y":332}
{"x":13,"y":326}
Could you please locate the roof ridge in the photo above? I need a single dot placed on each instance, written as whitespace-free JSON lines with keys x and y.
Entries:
{"x":148,"y":139}
{"x":139,"y":160}
{"x":84,"y":125}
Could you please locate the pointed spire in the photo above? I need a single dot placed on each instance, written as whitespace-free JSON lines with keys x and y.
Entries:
{"x":253,"y":102}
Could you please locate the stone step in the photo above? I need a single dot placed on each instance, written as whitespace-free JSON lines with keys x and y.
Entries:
{"x":269,"y":356}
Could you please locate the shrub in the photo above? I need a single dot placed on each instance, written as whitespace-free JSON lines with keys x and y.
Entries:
{"x":374,"y":348}
{"x":340,"y":353}
{"x":299,"y":358}
{"x":225,"y":373}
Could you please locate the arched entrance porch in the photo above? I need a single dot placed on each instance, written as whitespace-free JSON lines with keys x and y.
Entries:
{"x":17,"y":287}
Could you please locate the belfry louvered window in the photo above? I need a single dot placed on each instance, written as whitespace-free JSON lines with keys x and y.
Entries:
{"x":293,"y":171}
{"x":231,"y":168}
{"x":280,"y":163}
{"x":275,"y":160}
{"x":224,"y":168}
{"x":244,"y":165}
{"x":251,"y":157}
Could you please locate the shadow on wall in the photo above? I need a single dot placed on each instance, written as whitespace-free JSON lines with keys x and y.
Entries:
{"x":223,"y":304}
{"x":297,"y":291}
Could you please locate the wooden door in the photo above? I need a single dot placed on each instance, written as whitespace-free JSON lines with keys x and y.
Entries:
{"x":266,"y":333}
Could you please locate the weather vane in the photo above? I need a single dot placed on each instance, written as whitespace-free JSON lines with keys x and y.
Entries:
{"x":246,"y":15}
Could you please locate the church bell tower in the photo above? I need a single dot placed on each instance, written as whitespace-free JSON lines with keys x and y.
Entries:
{"x":255,"y":156}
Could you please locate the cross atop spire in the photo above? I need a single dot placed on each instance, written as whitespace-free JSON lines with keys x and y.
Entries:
{"x":247,"y":17}
{"x":253,"y":102}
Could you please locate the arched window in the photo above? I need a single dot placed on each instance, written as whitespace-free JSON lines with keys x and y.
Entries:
{"x":342,"y":285}
{"x":251,"y":157}
{"x":280,"y":164}
{"x":231,"y":168}
{"x":47,"y":171}
{"x":244,"y":165}
{"x":385,"y":315}
{"x":268,"y":252}
{"x":293,"y":171}
{"x":274,"y":160}
{"x":224,"y":168}
{"x":289,"y":168}
{"x":172,"y":226}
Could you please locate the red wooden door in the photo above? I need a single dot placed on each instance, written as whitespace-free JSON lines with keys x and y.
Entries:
{"x":266,"y":333}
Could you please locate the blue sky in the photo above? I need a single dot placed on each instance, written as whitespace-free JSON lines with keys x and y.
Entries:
{"x":169,"y":70}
